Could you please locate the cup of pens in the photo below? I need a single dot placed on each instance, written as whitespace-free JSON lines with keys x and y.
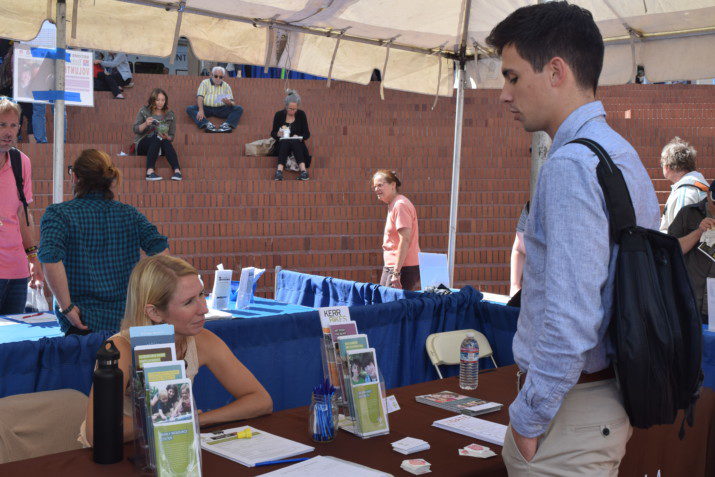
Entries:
{"x":323,"y":413}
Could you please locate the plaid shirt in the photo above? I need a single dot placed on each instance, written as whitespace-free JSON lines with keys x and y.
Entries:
{"x":99,"y":242}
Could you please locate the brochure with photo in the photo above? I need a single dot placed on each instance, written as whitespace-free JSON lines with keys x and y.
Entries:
{"x":458,"y":403}
{"x":175,"y":431}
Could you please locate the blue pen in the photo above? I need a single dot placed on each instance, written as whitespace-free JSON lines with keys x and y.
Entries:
{"x":284,"y":461}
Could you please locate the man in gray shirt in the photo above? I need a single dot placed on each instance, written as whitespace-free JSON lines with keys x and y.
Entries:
{"x":568,"y":418}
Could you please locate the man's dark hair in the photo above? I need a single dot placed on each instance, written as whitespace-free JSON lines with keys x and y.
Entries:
{"x":541,"y":32}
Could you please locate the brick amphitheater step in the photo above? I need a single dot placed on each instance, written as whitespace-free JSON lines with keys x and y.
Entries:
{"x":228,"y":209}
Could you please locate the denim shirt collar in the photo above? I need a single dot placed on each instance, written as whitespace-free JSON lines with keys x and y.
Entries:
{"x":573,"y":123}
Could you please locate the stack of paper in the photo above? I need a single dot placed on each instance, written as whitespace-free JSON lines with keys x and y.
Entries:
{"x":474,"y":427}
{"x":409,"y":445}
{"x":475,"y":450}
{"x":416,"y":466}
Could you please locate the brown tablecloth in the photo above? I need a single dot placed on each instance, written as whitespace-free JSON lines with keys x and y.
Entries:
{"x":648,"y":451}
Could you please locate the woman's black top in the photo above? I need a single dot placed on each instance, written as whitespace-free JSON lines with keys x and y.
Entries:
{"x":299,"y":127}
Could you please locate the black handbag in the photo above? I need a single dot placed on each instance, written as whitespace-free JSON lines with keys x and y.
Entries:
{"x":656,"y":328}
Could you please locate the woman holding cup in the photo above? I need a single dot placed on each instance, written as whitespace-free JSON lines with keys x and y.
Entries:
{"x":155,"y":127}
{"x":290,"y":130}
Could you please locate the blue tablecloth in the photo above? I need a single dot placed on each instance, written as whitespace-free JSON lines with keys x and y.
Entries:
{"x":265,"y":307}
{"x":26,"y":331}
{"x":18,"y":331}
{"x":316,"y":291}
{"x":709,"y":357}
{"x":283,"y":351}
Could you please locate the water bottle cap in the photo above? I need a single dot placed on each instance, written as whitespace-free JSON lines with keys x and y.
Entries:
{"x":107,"y":352}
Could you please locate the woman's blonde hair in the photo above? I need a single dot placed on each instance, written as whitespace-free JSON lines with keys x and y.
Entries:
{"x":95,"y":173}
{"x":152,"y":282}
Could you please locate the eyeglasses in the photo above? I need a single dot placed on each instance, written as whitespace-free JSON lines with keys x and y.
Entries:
{"x":218,"y":77}
{"x":70,"y":170}
{"x":292,"y":109}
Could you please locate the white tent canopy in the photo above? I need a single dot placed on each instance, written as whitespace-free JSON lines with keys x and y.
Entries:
{"x":673,"y":39}
{"x":412,"y":42}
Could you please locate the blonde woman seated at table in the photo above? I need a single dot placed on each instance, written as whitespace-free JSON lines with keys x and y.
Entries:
{"x":165,"y":289}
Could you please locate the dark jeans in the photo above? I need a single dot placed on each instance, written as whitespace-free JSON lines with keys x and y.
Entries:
{"x":409,"y":277}
{"x":121,"y":81}
{"x":26,"y":109}
{"x":152,"y":147}
{"x":13,"y":295}
{"x":105,"y":82}
{"x":232,"y":114}
{"x":286,"y":146}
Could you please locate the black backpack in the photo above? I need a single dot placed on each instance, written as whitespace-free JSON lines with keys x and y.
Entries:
{"x":16,"y":164}
{"x":656,"y":328}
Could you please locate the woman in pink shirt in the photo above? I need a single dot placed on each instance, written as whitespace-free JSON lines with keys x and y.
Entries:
{"x":400,"y":243}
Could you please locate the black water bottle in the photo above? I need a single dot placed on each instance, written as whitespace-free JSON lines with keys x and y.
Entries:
{"x":108,"y":406}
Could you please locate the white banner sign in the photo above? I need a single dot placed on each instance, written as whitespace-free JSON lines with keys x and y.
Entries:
{"x":34,"y":76}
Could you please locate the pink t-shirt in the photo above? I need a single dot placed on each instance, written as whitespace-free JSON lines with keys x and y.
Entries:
{"x":13,"y":261}
{"x":400,"y":214}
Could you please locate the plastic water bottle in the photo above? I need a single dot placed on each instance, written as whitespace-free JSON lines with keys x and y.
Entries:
{"x":108,"y":406}
{"x":469,"y":363}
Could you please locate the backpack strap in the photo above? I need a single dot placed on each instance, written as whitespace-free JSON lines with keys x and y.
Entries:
{"x":618,"y":200}
{"x":698,"y":185}
{"x":16,"y":163}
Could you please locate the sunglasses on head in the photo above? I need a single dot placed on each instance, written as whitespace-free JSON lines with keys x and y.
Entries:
{"x":8,"y":98}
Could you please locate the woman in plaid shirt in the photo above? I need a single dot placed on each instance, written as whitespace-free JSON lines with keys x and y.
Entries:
{"x":89,"y":246}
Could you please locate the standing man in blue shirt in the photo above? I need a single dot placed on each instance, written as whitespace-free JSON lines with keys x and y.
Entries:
{"x":568,"y":418}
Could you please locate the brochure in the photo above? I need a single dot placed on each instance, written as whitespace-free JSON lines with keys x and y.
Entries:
{"x":154,"y":353}
{"x":332,"y":315}
{"x":342,"y":329}
{"x":177,"y":447}
{"x":260,"y":447}
{"x":707,"y":250}
{"x":370,"y":412}
{"x":150,"y":335}
{"x":458,"y":403}
{"x":327,"y":466}
{"x":474,"y":427}
{"x":163,"y":371}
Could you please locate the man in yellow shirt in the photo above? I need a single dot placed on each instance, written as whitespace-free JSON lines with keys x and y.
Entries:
{"x":215,"y":99}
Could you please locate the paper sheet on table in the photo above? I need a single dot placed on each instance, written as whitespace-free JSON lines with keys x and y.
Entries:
{"x":325,"y":466}
{"x":4,"y":321}
{"x":433,"y":269}
{"x":261,"y":447}
{"x":33,"y":318}
{"x":711,"y":304}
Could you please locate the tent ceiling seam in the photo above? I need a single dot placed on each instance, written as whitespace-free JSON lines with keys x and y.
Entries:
{"x":258,"y":22}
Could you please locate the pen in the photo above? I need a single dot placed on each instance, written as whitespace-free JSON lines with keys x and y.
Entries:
{"x":284,"y":461}
{"x":30,"y":316}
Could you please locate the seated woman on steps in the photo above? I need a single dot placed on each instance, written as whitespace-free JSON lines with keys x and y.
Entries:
{"x":165,"y":289}
{"x":290,"y":130}
{"x":155,"y":127}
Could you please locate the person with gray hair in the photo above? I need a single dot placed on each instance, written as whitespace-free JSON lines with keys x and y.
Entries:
{"x":689,"y":186}
{"x":215,"y":99}
{"x":290,"y":130}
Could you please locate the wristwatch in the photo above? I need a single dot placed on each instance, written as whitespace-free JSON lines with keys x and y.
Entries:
{"x":68,"y":309}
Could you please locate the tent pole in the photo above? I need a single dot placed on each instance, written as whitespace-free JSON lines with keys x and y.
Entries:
{"x":58,"y":147}
{"x":456,"y":158}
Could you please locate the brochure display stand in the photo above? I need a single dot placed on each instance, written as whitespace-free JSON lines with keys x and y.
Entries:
{"x":163,"y":408}
{"x":351,"y":366}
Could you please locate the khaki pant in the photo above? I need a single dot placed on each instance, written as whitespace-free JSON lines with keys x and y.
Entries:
{"x":587,"y":437}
